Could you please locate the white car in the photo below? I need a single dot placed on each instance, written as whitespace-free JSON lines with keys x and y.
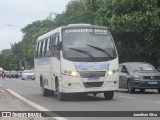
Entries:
{"x":28,"y":74}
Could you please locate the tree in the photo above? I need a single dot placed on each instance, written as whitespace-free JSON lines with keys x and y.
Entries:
{"x":75,"y":13}
{"x":6,"y":60}
{"x":25,"y":48}
{"x":135,"y":23}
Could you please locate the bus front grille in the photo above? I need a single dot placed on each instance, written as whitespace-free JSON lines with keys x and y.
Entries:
{"x":88,"y":74}
{"x":92,"y":84}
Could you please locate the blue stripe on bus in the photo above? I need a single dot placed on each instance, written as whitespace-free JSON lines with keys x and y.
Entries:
{"x":43,"y":61}
{"x":86,"y":66}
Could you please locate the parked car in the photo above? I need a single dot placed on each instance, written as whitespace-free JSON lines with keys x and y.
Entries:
{"x":28,"y":74}
{"x":138,"y":75}
{"x":13,"y":74}
{"x":7,"y":73}
{"x":19,"y":73}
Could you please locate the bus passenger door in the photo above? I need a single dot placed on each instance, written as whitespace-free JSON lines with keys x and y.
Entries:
{"x":55,"y":60}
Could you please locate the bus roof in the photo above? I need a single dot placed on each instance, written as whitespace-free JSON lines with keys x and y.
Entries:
{"x":68,"y":27}
{"x":49,"y":34}
{"x":82,"y":25}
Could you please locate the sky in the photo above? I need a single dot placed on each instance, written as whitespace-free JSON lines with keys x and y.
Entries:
{"x":16,"y":14}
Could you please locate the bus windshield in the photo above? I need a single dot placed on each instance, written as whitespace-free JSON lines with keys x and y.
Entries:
{"x":85,"y":44}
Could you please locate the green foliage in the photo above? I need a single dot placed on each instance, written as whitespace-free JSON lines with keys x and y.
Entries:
{"x":6,"y":61}
{"x":135,"y":23}
{"x":25,"y":48}
{"x":75,"y":13}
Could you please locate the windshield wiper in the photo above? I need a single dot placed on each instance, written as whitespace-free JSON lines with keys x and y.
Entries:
{"x":102,"y":50}
{"x":81,"y":51}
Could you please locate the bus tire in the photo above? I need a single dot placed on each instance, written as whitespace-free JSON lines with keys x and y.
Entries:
{"x":158,"y":91}
{"x":142,"y":90}
{"x":108,"y":95}
{"x":60,"y":95}
{"x":50,"y":93}
{"x":44,"y":90}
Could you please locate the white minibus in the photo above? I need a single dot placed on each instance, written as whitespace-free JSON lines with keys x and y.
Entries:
{"x":78,"y":58}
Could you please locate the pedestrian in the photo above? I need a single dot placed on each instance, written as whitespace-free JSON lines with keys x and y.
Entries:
{"x":3,"y":74}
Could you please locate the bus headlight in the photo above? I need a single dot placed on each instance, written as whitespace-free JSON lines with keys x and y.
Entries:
{"x":110,"y":72}
{"x":73,"y":73}
{"x":70,"y":73}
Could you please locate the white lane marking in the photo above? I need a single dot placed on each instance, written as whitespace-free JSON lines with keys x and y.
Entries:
{"x":127,"y":97}
{"x":2,"y":91}
{"x":0,"y":85}
{"x":33,"y":104}
{"x":158,"y":102}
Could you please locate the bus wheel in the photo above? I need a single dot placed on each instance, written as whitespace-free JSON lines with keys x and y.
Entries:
{"x":44,"y":90}
{"x":50,"y":93}
{"x":60,"y":95}
{"x":158,"y":90}
{"x":142,"y":90}
{"x":108,"y":95}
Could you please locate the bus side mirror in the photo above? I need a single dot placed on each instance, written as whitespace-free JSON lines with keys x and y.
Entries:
{"x":119,"y":47}
{"x":124,"y":71}
{"x":59,"y":45}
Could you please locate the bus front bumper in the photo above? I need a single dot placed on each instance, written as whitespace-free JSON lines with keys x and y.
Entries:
{"x":78,"y":89}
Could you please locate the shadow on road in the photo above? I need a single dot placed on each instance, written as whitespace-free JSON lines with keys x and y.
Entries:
{"x":81,"y":97}
{"x":138,"y":92}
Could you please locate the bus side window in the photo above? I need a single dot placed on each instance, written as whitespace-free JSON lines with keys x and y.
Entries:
{"x":41,"y":48}
{"x":37,"y":47}
{"x":53,"y":45}
{"x":48,"y":48}
{"x":45,"y":47}
{"x":38,"y":52}
{"x":57,"y":40}
{"x":56,"y":52}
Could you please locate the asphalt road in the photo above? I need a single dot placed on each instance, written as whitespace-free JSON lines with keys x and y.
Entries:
{"x":122,"y":101}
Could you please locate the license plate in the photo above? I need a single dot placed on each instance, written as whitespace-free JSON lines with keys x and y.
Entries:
{"x":93,"y":78}
{"x":152,"y":83}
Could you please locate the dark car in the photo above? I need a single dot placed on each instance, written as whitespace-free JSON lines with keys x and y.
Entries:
{"x":138,"y":75}
{"x":13,"y":74}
